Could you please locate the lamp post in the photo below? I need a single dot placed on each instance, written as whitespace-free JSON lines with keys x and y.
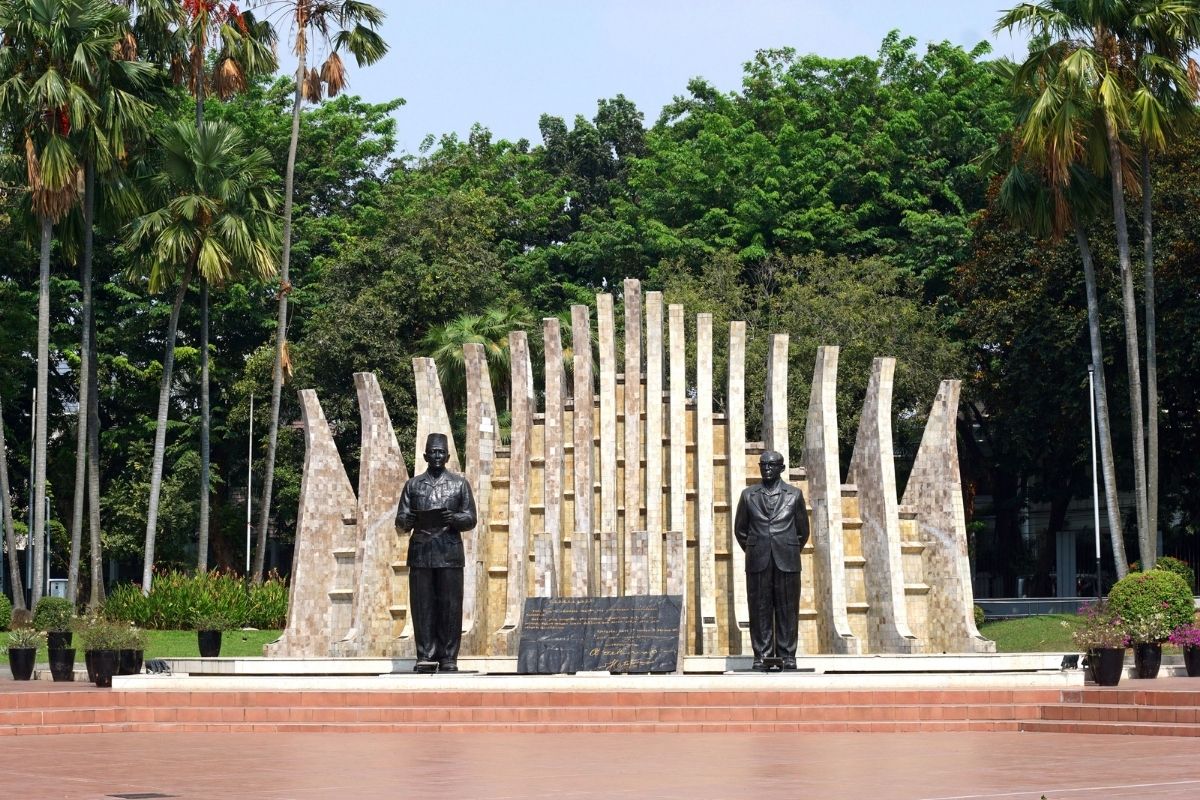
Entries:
{"x":1095,"y":479}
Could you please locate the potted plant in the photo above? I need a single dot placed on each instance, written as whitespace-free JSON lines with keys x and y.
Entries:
{"x":133,"y":648}
{"x":208,"y":632}
{"x":1101,"y":635}
{"x":23,"y":644}
{"x":101,"y":640}
{"x":53,"y":615}
{"x":1152,"y":604}
{"x":1187,"y":638}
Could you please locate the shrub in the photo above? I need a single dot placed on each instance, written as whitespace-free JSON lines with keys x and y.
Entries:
{"x":5,"y":612}
{"x":178,"y":599}
{"x":980,"y":616}
{"x":53,"y":614}
{"x":1152,"y":603}
{"x":98,"y":633}
{"x":1180,"y":568}
{"x":1099,"y":627}
{"x":23,"y":638}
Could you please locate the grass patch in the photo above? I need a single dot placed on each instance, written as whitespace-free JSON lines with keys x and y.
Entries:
{"x":182,"y":644}
{"x":1047,"y":633}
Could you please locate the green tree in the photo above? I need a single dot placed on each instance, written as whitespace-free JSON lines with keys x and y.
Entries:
{"x":53,"y":50}
{"x":212,"y":215}
{"x":348,"y":25}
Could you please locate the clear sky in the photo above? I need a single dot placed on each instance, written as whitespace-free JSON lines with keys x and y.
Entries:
{"x":503,"y":63}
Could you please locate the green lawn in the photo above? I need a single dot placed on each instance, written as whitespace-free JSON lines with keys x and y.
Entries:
{"x":1048,"y":633}
{"x":179,"y":644}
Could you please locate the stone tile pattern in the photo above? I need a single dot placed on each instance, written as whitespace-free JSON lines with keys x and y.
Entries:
{"x":735,"y":442}
{"x":582,"y":571}
{"x":521,"y":380}
{"x":554,"y":453}
{"x":934,"y":491}
{"x":610,"y":567}
{"x":639,"y":563}
{"x":675,"y":549}
{"x":631,"y":497}
{"x":482,"y":437}
{"x":654,"y":437}
{"x":327,"y":507}
{"x":775,"y":408}
{"x":825,"y":503}
{"x":381,"y":478}
{"x":873,"y":472}
{"x":705,"y":522}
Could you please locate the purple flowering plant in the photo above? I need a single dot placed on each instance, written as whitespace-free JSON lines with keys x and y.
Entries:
{"x":1185,"y":636}
{"x":1099,"y":627}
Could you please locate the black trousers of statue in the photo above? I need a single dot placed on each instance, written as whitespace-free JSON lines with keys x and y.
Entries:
{"x":774,"y":600}
{"x":436,"y":597}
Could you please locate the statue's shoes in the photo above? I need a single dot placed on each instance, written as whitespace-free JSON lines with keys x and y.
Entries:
{"x":789,"y":663}
{"x":448,"y":666}
{"x":758,"y":665}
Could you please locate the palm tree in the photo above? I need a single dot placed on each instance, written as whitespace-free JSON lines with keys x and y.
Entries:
{"x":348,"y":25}
{"x":118,"y":87}
{"x":213,"y":216}
{"x":1090,"y":48}
{"x":53,"y":48}
{"x":444,"y":344}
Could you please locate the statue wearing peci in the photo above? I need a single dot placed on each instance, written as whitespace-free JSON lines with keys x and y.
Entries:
{"x":437,"y":506}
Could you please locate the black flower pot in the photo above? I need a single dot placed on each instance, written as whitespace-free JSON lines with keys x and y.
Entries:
{"x":104,"y":666}
{"x":20,"y":661}
{"x":131,"y":662}
{"x":1191,"y":660}
{"x":209,"y":642}
{"x":1147,"y":656}
{"x":58,"y":640}
{"x":89,"y":661}
{"x":1106,"y":665}
{"x":62,"y":664}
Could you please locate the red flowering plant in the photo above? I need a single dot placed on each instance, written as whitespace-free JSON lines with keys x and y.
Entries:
{"x":1187,"y":635}
{"x":1099,"y":627}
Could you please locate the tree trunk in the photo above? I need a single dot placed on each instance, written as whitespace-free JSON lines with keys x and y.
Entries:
{"x":85,"y":347}
{"x":10,"y":531}
{"x":205,"y":423}
{"x":96,"y":596}
{"x":1147,"y":543}
{"x":1108,"y":467}
{"x":37,"y":537}
{"x":1151,"y":356}
{"x":160,"y":432}
{"x":264,"y":505}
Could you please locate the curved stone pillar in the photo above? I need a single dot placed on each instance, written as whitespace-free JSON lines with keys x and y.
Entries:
{"x":482,"y":436}
{"x":506,"y":639}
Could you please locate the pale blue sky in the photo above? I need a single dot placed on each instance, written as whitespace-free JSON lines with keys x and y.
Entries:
{"x":503,"y":63}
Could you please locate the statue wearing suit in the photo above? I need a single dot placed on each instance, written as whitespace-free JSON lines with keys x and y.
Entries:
{"x":772,"y":526}
{"x":437,"y":506}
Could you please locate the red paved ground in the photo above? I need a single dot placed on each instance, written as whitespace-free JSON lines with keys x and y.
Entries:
{"x":1013,"y":766}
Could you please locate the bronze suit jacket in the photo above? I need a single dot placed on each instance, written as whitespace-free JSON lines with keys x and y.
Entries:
{"x":771,"y":536}
{"x":435,"y":545}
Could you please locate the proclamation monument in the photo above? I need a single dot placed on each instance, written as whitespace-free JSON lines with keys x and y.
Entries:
{"x":623,"y":480}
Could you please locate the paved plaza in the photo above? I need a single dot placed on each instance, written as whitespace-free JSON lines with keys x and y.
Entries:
{"x":941,"y":766}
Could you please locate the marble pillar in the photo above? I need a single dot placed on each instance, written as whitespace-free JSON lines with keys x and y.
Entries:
{"x":705,"y":487}
{"x":775,"y":411}
{"x":518,"y":491}
{"x":610,"y":567}
{"x":553,"y":448}
{"x":483,"y":434}
{"x":655,"y":484}
{"x":631,"y":500}
{"x":583,"y":581}
{"x":735,"y":455}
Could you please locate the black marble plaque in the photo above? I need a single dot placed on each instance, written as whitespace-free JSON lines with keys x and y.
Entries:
{"x":617,"y":634}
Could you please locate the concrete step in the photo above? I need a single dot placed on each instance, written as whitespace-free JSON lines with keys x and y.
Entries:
{"x":1117,"y":728}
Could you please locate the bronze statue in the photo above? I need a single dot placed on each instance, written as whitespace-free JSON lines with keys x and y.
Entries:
{"x":772,"y":526}
{"x":437,"y":507}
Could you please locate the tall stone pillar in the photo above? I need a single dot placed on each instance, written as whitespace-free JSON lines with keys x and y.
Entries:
{"x":631,"y":500}
{"x":678,"y":349}
{"x":518,"y":491}
{"x":705,"y":487}
{"x":582,"y":572}
{"x":873,"y":471}
{"x":654,"y":439}
{"x":825,"y":499}
{"x":934,"y":491}
{"x":327,"y":507}
{"x":555,"y":454}
{"x":482,"y":436}
{"x":381,"y":477}
{"x":735,"y":440}
{"x":775,"y":418}
{"x":610,"y":567}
